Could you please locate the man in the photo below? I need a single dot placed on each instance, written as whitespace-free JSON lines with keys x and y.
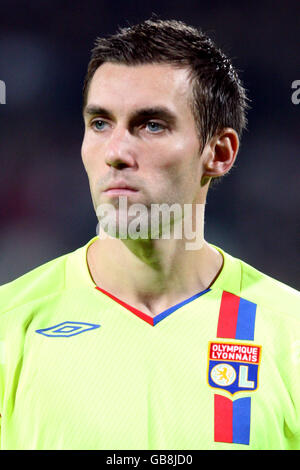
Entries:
{"x":153,"y":341}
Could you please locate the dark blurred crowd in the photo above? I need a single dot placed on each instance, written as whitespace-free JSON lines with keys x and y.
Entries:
{"x":45,"y":204}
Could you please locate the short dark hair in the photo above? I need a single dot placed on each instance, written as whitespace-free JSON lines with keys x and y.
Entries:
{"x":218,"y":97}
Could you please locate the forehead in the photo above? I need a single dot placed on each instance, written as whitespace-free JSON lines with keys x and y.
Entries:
{"x":130,"y":87}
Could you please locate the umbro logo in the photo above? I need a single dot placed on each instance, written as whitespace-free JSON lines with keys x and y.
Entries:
{"x":67,"y":329}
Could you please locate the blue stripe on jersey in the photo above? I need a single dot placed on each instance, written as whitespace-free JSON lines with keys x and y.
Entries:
{"x":170,"y":310}
{"x":246,"y":320}
{"x":241,"y":409}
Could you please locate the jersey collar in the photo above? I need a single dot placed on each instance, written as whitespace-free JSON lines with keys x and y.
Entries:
{"x":77,"y":270}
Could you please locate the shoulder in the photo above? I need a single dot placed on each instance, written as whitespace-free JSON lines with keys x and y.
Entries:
{"x":268,"y":292}
{"x":38,"y":283}
{"x":246,"y":281}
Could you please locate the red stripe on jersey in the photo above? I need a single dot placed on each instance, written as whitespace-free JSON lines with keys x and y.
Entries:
{"x":223,"y":419}
{"x":228,"y":315}
{"x":137,"y":312}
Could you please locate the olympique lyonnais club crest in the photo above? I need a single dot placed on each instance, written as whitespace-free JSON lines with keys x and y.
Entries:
{"x":233,"y":367}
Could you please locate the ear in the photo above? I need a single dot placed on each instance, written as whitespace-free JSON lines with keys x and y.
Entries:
{"x":220,"y":153}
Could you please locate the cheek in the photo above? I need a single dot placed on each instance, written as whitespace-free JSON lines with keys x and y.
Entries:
{"x":89,"y":164}
{"x":84,"y":154}
{"x":87,"y":153}
{"x":90,"y":158}
{"x":178,"y":161}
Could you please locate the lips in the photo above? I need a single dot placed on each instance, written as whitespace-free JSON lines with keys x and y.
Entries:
{"x":119,"y":192}
{"x":119,"y":187}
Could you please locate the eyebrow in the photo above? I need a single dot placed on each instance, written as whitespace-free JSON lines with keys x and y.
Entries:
{"x":152,"y":112}
{"x":92,"y":110}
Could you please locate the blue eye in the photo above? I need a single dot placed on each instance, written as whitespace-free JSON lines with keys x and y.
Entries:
{"x":99,"y":124}
{"x":154,"y":126}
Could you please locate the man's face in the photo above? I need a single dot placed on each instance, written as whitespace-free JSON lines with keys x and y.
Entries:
{"x":140,"y":132}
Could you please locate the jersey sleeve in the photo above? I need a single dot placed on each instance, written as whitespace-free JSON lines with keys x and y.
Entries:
{"x":1,"y":396}
{"x":1,"y":382}
{"x":290,"y":364}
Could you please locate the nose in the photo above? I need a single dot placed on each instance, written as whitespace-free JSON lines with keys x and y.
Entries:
{"x":120,"y":151}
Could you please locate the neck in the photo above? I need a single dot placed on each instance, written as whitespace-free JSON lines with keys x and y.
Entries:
{"x":152,"y":275}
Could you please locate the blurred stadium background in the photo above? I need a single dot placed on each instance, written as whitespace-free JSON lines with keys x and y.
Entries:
{"x":45,"y":205}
